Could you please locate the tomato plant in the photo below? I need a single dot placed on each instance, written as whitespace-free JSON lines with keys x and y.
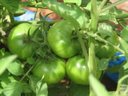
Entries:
{"x":51,"y":71}
{"x":19,"y":40}
{"x":70,"y":51}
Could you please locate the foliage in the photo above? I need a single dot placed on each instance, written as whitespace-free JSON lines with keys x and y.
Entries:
{"x":92,"y":29}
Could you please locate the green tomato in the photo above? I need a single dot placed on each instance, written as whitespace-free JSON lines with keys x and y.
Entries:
{"x":53,"y":70}
{"x":106,"y":32}
{"x":104,"y":51}
{"x":61,"y":41}
{"x":77,"y":70}
{"x":19,"y":40}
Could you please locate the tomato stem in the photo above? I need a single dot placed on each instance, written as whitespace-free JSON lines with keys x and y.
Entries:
{"x":102,"y":4}
{"x":91,"y":60}
{"x":121,"y":85}
{"x":94,"y":15}
{"x":113,"y":5}
{"x":94,"y":22}
{"x":11,"y":17}
{"x":83,"y":47}
{"x":26,"y":73}
{"x":107,"y":18}
{"x":97,"y":37}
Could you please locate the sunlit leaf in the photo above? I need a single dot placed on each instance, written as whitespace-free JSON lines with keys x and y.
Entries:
{"x":78,"y":2}
{"x":41,"y":89}
{"x":6,"y":79}
{"x":15,"y":89}
{"x":124,"y":46}
{"x":106,"y":32}
{"x":98,"y":88}
{"x":65,"y":11}
{"x":4,"y":62}
{"x":33,"y":82}
{"x":124,"y":33}
{"x":16,"y":68}
{"x":103,"y":64}
{"x":13,"y":6}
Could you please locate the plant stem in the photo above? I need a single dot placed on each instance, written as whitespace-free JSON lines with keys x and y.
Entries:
{"x":121,"y":16}
{"x":102,"y":4}
{"x":94,"y":15}
{"x":119,"y":85}
{"x":94,"y":21}
{"x":107,"y":18}
{"x":91,"y":60}
{"x":97,"y":37}
{"x":26,"y":73}
{"x":113,"y":5}
{"x":82,"y":46}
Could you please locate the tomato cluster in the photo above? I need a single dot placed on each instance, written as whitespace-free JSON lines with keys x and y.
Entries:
{"x":59,"y":54}
{"x":61,"y":60}
{"x":71,"y":51}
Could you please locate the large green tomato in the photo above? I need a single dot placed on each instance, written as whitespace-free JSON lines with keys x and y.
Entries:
{"x":61,"y":39}
{"x":77,"y":70}
{"x":19,"y":40}
{"x":53,"y":70}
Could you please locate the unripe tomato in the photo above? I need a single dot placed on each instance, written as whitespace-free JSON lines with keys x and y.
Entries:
{"x":19,"y":40}
{"x":53,"y":70}
{"x":61,"y":41}
{"x":104,"y":51}
{"x":77,"y":70}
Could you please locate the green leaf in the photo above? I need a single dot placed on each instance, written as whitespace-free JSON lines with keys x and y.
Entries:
{"x":4,"y":62}
{"x":2,"y":53}
{"x":33,"y":82}
{"x":15,"y":89}
{"x":12,"y":6}
{"x":65,"y":11}
{"x":6,"y":79}
{"x":98,"y":88}
{"x":112,"y":93}
{"x":124,"y":70}
{"x":84,"y":3}
{"x":103,"y":64}
{"x":41,"y":89}
{"x":30,"y":60}
{"x":124,"y":46}
{"x":78,"y":2}
{"x":1,"y":90}
{"x":114,"y":69}
{"x":16,"y":68}
{"x":125,"y":66}
{"x":106,"y":32}
{"x":124,"y":33}
{"x":26,"y":88}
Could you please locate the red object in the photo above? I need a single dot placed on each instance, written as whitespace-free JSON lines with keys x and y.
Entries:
{"x":122,"y":6}
{"x":44,"y":12}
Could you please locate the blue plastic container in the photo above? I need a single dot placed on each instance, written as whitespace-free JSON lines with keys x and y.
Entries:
{"x":29,"y":16}
{"x":118,"y":59}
